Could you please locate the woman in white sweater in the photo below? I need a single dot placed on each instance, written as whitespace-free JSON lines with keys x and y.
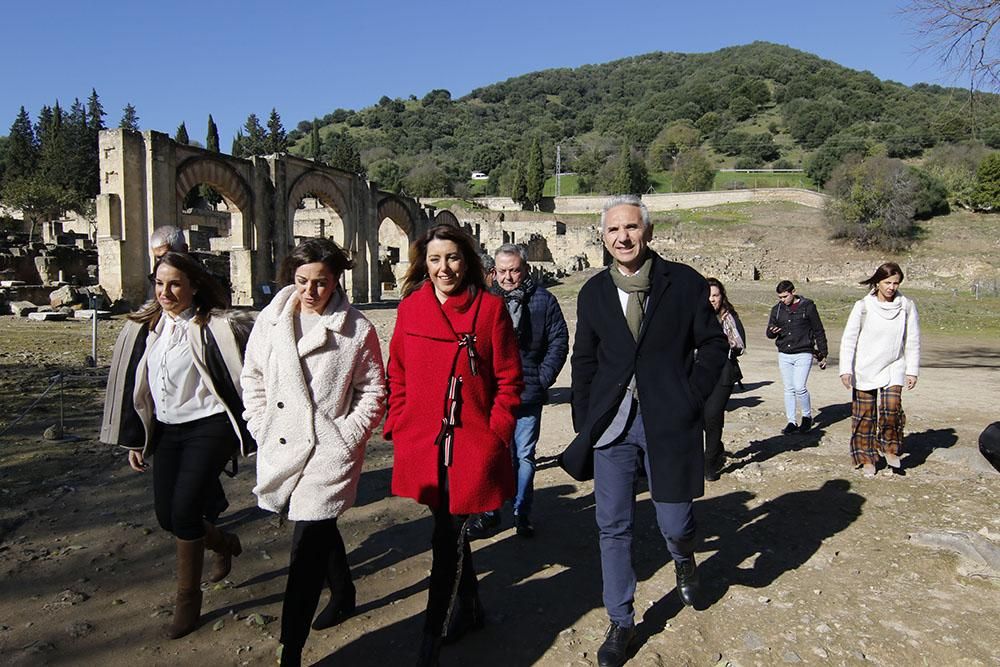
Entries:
{"x":314,"y":390}
{"x":879,"y":354}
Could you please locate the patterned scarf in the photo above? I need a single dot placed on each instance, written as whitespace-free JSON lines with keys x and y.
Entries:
{"x":515,"y":300}
{"x":728,"y":323}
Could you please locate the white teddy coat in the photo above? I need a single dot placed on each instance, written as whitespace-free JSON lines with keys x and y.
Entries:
{"x":881,"y":343}
{"x":311,"y":439}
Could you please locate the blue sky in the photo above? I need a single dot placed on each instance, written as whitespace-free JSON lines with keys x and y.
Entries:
{"x":181,"y":60}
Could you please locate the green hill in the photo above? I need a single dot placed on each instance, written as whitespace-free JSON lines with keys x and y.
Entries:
{"x":747,"y":106}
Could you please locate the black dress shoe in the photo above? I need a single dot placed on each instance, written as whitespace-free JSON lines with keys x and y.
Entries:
{"x":807,"y":423}
{"x":523,"y":526}
{"x":790,"y":428}
{"x":614,"y":650}
{"x":688,"y":585}
{"x":712,"y":474}
{"x":483,"y":525}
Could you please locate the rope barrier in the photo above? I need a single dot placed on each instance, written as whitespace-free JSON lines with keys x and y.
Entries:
{"x":54,"y":381}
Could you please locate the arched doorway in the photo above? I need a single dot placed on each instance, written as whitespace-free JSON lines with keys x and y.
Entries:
{"x":317,"y":208}
{"x":395,"y":233}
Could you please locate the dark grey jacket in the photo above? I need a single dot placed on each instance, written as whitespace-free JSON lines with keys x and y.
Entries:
{"x":801,"y":329}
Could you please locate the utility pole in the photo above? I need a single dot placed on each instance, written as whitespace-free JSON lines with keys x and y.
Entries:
{"x":558,"y":167}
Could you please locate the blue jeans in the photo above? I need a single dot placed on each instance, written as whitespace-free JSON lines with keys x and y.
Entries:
{"x":794,"y":374}
{"x":529,"y":425}
{"x":616,"y":476}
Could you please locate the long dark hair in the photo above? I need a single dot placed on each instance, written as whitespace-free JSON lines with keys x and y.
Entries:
{"x":208,"y":296}
{"x":881,"y":273}
{"x":724,"y":304}
{"x":315,"y":250}
{"x":474,"y":278}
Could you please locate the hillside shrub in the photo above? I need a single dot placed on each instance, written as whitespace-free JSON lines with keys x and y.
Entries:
{"x":986,"y":196}
{"x":873,"y":202}
{"x":693,"y":172}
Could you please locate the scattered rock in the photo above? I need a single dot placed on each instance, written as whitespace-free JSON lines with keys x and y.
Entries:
{"x":22,"y":308}
{"x":47,"y":316}
{"x":979,"y":557}
{"x":53,"y":432}
{"x":753,"y":642}
{"x":791,"y":657}
{"x":79,"y":629}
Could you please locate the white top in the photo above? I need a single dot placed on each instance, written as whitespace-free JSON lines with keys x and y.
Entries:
{"x":881,"y":342}
{"x":179,"y":394}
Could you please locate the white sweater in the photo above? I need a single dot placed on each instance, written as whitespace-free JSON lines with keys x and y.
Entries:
{"x":881,"y":342}
{"x":311,"y":436}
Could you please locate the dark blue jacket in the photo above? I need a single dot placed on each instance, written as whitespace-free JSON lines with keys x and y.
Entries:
{"x":543,"y":340}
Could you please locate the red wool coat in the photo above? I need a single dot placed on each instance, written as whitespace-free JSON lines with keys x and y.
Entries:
{"x":424,"y":345}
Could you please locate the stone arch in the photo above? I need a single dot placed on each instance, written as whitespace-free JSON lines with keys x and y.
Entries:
{"x":228,"y":183}
{"x":391,"y":256}
{"x":446,"y":217}
{"x":326,"y":190}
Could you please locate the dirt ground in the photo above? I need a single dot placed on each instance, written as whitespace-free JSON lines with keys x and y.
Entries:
{"x":803,"y":560}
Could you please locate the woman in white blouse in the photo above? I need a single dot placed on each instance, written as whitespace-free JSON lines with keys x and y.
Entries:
{"x":879,"y":354}
{"x":174,"y":395}
{"x":314,"y":390}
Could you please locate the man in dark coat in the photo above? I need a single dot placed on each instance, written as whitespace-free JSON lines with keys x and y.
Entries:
{"x":648,"y":352}
{"x":543,"y":340}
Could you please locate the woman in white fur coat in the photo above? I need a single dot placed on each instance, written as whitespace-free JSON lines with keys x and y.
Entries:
{"x":314,"y":390}
{"x":879,"y":354}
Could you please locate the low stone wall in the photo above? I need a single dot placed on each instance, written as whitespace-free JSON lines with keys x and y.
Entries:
{"x":665,"y":202}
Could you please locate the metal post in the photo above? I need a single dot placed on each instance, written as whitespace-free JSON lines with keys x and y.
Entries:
{"x":93,"y":330}
{"x":62,"y":414}
{"x":558,"y":168}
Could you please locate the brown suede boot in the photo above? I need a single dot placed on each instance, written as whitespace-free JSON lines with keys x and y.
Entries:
{"x":187,"y":608}
{"x":223,"y":546}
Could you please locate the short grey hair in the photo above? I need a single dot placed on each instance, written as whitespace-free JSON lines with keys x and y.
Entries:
{"x":513,"y":249}
{"x":625,"y":200}
{"x":169,"y":236}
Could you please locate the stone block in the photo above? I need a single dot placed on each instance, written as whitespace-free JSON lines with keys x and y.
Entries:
{"x":86,"y":314}
{"x":64,"y":296}
{"x":12,"y":283}
{"x":50,"y":316}
{"x":23,"y":308}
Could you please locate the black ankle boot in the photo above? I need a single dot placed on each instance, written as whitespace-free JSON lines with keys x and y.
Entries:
{"x":467,"y":617}
{"x":291,"y":656}
{"x":339,"y":609}
{"x":688,"y":585}
{"x":430,"y":649}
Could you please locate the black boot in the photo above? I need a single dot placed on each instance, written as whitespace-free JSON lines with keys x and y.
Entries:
{"x":341,"y":606}
{"x":430,"y":649}
{"x":291,"y":656}
{"x":688,"y":585}
{"x":468,"y":616}
{"x":614,"y":650}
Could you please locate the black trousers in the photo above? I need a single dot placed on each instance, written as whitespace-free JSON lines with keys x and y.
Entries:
{"x":186,"y":465}
{"x":318,"y":557}
{"x":449,"y":545}
{"x":715,"y":419}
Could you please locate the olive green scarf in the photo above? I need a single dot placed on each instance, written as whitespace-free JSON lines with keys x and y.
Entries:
{"x":637,"y":287}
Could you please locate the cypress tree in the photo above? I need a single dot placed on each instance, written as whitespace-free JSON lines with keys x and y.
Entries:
{"x":53,"y":162}
{"x":277,"y":141}
{"x":22,"y":148}
{"x":95,"y":123}
{"x":95,"y":113}
{"x":519,"y":186}
{"x":343,"y":153}
{"x":77,"y":158}
{"x":212,"y":139}
{"x":315,"y":143}
{"x":534,"y":178}
{"x":130,"y":118}
{"x":237,"y":149}
{"x":181,"y":136}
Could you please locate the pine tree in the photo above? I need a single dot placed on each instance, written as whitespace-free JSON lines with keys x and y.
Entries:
{"x":53,"y":162}
{"x":254,"y":141}
{"x":535,"y":175}
{"x":77,"y":157}
{"x":315,"y":143}
{"x":95,"y":113}
{"x":212,"y":138}
{"x":130,"y":118}
{"x":181,"y":136}
{"x":631,"y":177}
{"x":277,"y":141}
{"x":95,"y":123}
{"x":342,"y":153}
{"x":22,"y":148}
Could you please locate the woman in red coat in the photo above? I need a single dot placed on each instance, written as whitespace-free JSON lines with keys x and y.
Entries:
{"x":454,"y":382}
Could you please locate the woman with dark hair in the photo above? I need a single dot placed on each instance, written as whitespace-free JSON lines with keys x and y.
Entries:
{"x":314,"y":390}
{"x":455,"y":382}
{"x":715,"y":404}
{"x":174,"y":394}
{"x":879,"y":353}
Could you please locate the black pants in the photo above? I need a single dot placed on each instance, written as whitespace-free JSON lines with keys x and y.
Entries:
{"x":445,"y":549}
{"x":715,"y":419}
{"x":186,"y":466}
{"x":318,"y":557}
